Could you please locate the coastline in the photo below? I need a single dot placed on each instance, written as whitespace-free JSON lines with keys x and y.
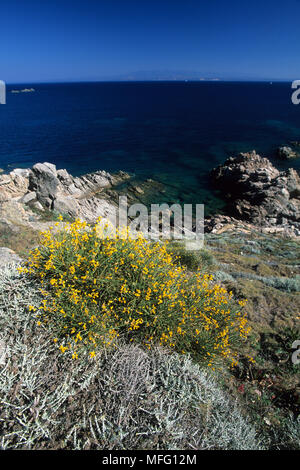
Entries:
{"x":258,"y":196}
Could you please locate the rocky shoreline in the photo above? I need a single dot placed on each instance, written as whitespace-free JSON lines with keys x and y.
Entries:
{"x":259,"y":197}
{"x":26,"y":195}
{"x":45,"y":188}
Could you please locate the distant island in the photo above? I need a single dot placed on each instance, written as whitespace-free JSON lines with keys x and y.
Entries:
{"x":25,"y":90}
{"x":162,"y":75}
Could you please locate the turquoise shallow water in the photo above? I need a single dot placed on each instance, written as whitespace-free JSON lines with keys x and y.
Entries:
{"x":172,"y":132}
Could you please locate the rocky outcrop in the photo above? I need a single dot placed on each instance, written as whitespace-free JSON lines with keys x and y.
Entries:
{"x":45,"y":187}
{"x":258,"y":193}
{"x":13,"y":185}
{"x":218,"y":224}
{"x":43,"y":182}
{"x":287,"y":153}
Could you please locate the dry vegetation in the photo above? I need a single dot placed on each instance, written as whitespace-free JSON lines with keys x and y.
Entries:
{"x":112,"y":392}
{"x":124,"y":398}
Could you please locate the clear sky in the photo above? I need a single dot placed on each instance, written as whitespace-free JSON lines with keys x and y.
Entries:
{"x":62,"y":40}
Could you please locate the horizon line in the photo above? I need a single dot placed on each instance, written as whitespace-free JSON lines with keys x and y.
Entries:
{"x":212,"y":80}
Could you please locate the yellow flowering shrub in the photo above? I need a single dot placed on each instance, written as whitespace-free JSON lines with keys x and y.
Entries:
{"x":97,"y":288}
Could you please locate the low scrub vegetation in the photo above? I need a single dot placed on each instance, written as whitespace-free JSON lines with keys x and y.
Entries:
{"x":124,"y":398}
{"x":97,"y":289}
{"x":17,"y":237}
{"x":192,"y":259}
{"x":138,"y":323}
{"x":281,"y":283}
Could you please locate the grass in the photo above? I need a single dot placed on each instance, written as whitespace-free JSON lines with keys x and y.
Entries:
{"x":47,"y":215}
{"x":18,"y":238}
{"x":265,"y":269}
{"x":193,"y":260}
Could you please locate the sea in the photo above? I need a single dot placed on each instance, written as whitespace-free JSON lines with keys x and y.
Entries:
{"x":172,"y":132}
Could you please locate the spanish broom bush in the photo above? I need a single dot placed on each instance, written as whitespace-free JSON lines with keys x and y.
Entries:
{"x":97,"y":288}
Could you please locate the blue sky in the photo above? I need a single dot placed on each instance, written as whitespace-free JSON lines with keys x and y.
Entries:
{"x":105,"y":39}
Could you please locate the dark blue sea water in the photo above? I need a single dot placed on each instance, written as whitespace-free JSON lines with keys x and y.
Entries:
{"x":172,"y":132}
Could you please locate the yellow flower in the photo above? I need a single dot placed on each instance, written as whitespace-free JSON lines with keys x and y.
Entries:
{"x":72,"y":270}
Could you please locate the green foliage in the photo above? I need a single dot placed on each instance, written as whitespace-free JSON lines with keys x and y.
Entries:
{"x":47,"y":215}
{"x":193,"y":260}
{"x":17,"y":237}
